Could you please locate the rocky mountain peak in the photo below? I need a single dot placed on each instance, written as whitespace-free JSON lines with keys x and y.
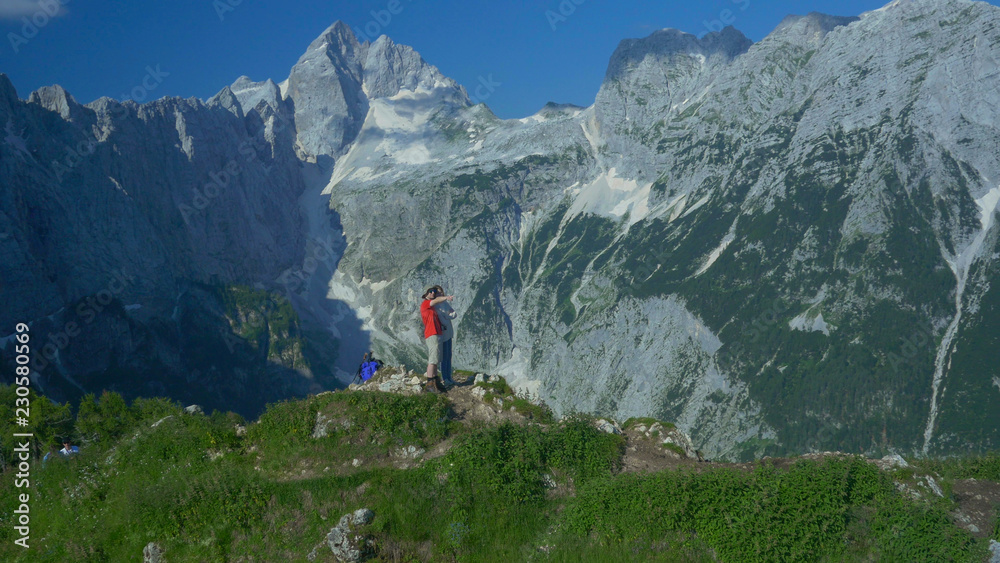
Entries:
{"x":553,"y":109}
{"x":730,"y":42}
{"x":389,"y":68}
{"x":57,"y":99}
{"x":336,"y":78}
{"x":810,"y":28}
{"x":227,"y":100}
{"x":337,"y":38}
{"x":326,"y":86}
{"x":667,"y":45}
{"x":250,"y":94}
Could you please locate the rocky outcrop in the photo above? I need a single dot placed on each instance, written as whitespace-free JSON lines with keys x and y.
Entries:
{"x":333,"y":82}
{"x":345,"y":541}
{"x":152,"y":553}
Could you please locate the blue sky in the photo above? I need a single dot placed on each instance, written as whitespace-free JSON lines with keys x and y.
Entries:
{"x":554,"y":50}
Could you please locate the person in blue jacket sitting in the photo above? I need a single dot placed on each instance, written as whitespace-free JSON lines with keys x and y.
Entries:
{"x":68,"y":449}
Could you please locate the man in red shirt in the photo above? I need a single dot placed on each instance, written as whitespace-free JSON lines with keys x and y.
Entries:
{"x":432,"y":335}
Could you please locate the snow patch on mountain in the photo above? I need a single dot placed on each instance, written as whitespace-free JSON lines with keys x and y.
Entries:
{"x":611,"y":195}
{"x":805,"y":324}
{"x":714,"y":255}
{"x":250,"y":93}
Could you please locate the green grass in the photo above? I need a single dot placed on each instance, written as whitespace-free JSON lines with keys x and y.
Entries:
{"x":498,"y":388}
{"x":837,"y":509}
{"x":647,"y":422}
{"x":674,"y":448}
{"x":205,"y":491}
{"x":974,"y":467}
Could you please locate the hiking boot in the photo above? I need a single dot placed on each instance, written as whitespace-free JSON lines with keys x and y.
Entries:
{"x":448,"y":383}
{"x":430,"y":386}
{"x":440,"y":385}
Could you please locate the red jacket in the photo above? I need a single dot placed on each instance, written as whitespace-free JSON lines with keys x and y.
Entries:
{"x":432,"y":324}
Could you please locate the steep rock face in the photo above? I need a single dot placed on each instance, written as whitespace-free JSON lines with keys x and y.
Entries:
{"x":806,"y":202}
{"x":332,"y":83}
{"x":646,"y":80}
{"x":112,"y":211}
{"x":326,"y":87}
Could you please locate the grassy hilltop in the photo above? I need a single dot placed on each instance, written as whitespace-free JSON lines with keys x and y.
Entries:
{"x":477,"y":475}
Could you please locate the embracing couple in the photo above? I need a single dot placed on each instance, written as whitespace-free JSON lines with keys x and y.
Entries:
{"x":437,"y":313}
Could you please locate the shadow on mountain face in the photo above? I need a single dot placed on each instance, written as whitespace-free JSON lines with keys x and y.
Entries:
{"x":326,"y":316}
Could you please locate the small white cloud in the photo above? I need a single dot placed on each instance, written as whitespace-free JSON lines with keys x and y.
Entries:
{"x":17,"y":9}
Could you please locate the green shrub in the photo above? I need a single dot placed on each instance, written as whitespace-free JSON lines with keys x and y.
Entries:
{"x":973,"y":467}
{"x":584,"y":452}
{"x":423,"y":418}
{"x":151,"y":410}
{"x":285,"y":423}
{"x":50,"y":422}
{"x":674,"y":448}
{"x":104,"y":420}
{"x":540,"y":413}
{"x":486,"y":499}
{"x":813,"y":510}
{"x":508,"y":461}
{"x":497,"y":386}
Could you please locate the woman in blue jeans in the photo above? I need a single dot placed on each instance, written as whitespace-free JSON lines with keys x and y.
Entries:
{"x":445,"y":314}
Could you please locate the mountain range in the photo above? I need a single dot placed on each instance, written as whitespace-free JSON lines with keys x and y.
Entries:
{"x":783,"y":246}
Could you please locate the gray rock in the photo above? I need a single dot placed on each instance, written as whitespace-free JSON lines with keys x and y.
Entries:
{"x":321,"y":429}
{"x":893,"y":461}
{"x":410,"y":452}
{"x":152,"y":553}
{"x":193,"y":409}
{"x":161,"y":421}
{"x":608,"y":427}
{"x":362,"y":517}
{"x":346,"y":543}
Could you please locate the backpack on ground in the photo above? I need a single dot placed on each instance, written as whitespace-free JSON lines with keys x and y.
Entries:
{"x":369,"y":365}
